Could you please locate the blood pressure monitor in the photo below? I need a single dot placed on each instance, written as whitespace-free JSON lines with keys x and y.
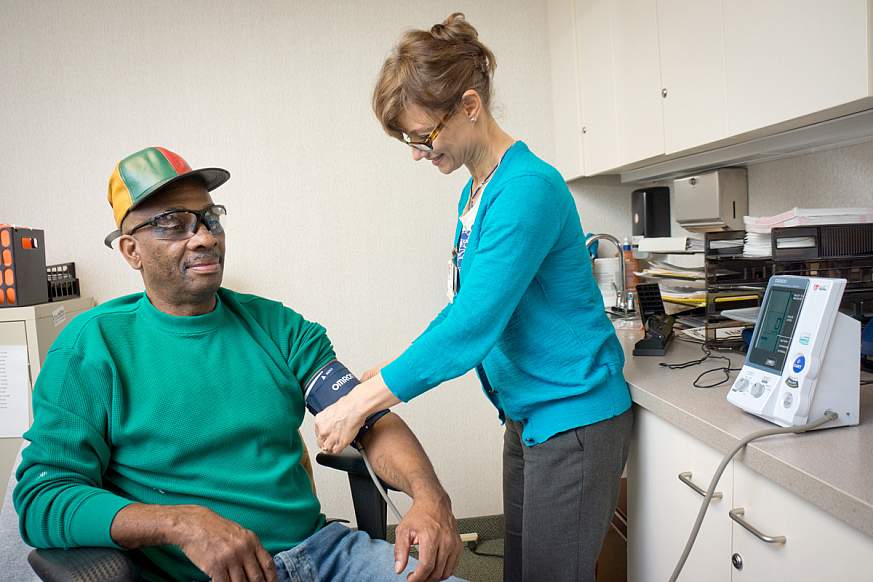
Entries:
{"x":804,"y":355}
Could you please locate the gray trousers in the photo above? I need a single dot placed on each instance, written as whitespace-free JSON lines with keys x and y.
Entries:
{"x":559,"y":497}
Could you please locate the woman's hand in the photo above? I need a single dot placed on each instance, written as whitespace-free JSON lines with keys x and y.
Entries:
{"x":337,"y":425}
{"x":374,"y":371}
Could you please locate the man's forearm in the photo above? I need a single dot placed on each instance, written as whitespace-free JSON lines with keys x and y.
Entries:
{"x":139,"y":525}
{"x":398,"y":458}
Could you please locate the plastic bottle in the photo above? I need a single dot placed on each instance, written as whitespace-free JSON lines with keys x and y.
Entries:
{"x":631,"y":265}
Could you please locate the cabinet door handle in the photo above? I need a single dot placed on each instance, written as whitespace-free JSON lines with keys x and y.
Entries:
{"x":686,"y":478}
{"x":737,"y":514}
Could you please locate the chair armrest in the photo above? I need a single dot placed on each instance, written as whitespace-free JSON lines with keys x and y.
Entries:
{"x":83,"y":565}
{"x":350,"y":461}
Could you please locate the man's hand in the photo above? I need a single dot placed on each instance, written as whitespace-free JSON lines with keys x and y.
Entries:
{"x":222,"y":549}
{"x":430,"y":524}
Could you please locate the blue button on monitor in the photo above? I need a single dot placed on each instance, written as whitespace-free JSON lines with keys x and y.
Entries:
{"x":799,"y":363}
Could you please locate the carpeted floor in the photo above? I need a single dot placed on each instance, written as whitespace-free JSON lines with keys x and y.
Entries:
{"x":479,"y":567}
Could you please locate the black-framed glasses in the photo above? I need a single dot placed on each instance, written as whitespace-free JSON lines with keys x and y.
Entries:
{"x":426,"y":144}
{"x":179,"y":223}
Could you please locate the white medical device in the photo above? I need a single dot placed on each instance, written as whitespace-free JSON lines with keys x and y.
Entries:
{"x":803,"y":359}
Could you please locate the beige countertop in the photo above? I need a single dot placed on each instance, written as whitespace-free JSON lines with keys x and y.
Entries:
{"x":832,"y":469}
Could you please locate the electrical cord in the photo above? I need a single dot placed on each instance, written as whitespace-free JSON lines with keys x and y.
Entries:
{"x":829,"y":416}
{"x":707,"y":355}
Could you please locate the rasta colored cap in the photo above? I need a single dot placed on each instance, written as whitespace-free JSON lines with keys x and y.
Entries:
{"x":148,"y":171}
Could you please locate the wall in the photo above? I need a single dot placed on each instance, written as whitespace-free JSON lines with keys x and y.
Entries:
{"x":325,"y":212}
{"x":604,"y":205}
{"x":836,"y":177}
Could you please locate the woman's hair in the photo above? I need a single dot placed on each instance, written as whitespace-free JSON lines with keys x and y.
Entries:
{"x":432,"y":69}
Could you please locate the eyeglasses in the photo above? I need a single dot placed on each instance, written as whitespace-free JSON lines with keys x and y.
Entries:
{"x":426,"y":145}
{"x":179,"y":224}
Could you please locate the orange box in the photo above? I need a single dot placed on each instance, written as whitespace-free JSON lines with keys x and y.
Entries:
{"x":22,"y":267}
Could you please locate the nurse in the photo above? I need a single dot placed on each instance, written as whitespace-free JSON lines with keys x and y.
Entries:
{"x":523,"y":311}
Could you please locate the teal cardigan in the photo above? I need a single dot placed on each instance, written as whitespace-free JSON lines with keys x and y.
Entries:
{"x":529,"y":316}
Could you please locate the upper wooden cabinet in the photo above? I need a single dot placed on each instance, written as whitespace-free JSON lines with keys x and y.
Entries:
{"x":594,"y":35}
{"x":692,"y":72}
{"x":789,"y":58}
{"x":566,"y":93}
{"x":638,"y":101}
{"x":662,"y":79}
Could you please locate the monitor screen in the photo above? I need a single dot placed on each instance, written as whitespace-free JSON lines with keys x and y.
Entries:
{"x":776,"y":327}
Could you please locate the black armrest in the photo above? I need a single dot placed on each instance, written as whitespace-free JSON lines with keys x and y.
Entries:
{"x":83,"y":565}
{"x":371,"y":511}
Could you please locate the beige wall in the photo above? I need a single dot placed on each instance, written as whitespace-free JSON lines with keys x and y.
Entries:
{"x":325,"y":212}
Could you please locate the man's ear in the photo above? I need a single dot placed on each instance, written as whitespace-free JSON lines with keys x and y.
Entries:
{"x":129,"y":249}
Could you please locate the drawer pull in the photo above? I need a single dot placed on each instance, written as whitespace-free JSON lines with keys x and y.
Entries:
{"x":686,"y":478}
{"x":737,"y":514}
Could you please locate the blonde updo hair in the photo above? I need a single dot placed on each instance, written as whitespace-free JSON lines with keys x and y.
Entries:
{"x":432,"y":69}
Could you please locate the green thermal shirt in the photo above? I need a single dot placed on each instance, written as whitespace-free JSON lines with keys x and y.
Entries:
{"x":135,"y":405}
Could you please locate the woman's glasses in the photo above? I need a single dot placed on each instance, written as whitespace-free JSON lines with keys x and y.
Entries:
{"x":426,"y":144}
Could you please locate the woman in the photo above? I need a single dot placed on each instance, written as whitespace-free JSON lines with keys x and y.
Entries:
{"x":524,"y":311}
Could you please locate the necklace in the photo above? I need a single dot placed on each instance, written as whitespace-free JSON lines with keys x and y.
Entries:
{"x":474,"y":193}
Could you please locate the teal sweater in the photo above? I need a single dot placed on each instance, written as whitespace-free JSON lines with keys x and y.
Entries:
{"x":135,"y":405}
{"x":529,"y":316}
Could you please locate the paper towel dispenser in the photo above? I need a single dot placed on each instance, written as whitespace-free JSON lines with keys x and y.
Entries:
{"x":712,"y":201}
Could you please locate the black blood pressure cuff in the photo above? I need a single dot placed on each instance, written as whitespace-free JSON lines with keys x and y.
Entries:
{"x":329,"y":384}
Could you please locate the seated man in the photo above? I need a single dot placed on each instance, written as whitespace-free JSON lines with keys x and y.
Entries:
{"x":168,"y":420}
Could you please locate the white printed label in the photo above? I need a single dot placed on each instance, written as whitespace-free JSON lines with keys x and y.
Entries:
{"x":59,"y":316}
{"x":14,"y":393}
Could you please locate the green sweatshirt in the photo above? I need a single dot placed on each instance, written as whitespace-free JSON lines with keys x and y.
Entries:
{"x":135,"y":405}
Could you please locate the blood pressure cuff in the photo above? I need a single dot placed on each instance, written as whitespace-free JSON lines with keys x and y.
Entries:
{"x":329,"y":384}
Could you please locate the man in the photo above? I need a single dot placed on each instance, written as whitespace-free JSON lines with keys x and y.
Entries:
{"x":167,"y":421}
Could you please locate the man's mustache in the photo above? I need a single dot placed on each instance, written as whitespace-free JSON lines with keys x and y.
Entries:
{"x":205,"y":257}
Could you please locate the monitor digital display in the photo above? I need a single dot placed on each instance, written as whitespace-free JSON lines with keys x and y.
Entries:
{"x":776,"y":328}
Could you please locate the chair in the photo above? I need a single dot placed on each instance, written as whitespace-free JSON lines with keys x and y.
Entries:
{"x":113,"y":565}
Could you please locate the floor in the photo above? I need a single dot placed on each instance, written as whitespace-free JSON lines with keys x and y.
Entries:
{"x":484,"y":563}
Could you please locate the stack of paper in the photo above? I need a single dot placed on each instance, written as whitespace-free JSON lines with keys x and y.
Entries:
{"x":678,"y":285}
{"x":757,"y":244}
{"x":758,"y":228}
{"x":671,"y":244}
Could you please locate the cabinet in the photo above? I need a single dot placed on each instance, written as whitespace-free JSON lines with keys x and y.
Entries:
{"x":789,"y":58}
{"x":817,"y":546}
{"x":594,"y":22}
{"x":566,"y":93}
{"x":35,"y":327}
{"x":659,"y":80}
{"x":692,"y":73}
{"x":640,"y":120}
{"x":662,"y":510}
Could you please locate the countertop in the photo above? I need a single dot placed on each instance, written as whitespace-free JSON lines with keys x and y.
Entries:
{"x":832,"y":468}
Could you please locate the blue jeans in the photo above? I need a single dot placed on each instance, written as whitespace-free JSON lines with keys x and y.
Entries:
{"x":337,"y":553}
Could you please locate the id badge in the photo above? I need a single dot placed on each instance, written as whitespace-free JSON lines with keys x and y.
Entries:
{"x":453,"y":282}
